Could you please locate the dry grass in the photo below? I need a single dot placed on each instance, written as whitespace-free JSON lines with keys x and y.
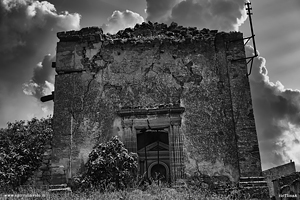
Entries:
{"x":153,"y":192}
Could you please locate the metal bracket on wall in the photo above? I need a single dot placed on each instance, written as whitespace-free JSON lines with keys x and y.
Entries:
{"x":247,"y":39}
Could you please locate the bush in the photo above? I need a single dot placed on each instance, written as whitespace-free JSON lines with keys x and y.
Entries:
{"x":22,"y":145}
{"x":110,"y":167}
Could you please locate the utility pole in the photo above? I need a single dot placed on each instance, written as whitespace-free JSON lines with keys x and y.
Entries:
{"x":248,"y":4}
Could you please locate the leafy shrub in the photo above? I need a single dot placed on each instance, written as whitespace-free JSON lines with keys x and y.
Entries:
{"x":110,"y":167}
{"x":22,"y":145}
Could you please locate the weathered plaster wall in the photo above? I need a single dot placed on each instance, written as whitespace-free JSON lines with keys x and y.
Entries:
{"x":276,"y":173}
{"x":151,"y":65}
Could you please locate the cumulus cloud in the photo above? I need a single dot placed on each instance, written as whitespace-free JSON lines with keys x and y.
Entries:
{"x":226,"y":15}
{"x":121,"y":20}
{"x":28,"y":33}
{"x":43,"y":71}
{"x":42,"y":82}
{"x":160,"y":10}
{"x":277,"y":116}
{"x":22,"y":20}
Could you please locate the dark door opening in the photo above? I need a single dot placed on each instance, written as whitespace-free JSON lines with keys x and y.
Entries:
{"x":153,"y":151}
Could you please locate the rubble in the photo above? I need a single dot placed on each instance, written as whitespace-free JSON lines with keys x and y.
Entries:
{"x":141,"y":33}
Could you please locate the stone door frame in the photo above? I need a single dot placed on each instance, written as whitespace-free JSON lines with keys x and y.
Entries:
{"x":134,"y":119}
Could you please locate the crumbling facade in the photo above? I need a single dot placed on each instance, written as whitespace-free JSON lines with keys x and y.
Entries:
{"x":178,"y":97}
{"x":287,"y":187}
{"x":276,"y":173}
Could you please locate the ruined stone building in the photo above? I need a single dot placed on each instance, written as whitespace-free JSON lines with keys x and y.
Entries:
{"x":283,"y":180}
{"x":178,"y":97}
{"x":287,"y":186}
{"x":277,"y":172}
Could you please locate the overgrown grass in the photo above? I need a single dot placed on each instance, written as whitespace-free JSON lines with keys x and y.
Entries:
{"x":151,"y":192}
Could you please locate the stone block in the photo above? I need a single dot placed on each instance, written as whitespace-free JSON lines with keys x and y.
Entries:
{"x":44,"y":167}
{"x":46,"y":156}
{"x":46,"y":173}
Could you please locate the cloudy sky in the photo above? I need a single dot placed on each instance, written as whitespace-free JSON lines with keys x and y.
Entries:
{"x":28,"y":39}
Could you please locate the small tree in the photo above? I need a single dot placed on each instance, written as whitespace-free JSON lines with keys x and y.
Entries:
{"x":22,"y":145}
{"x":110,"y":164}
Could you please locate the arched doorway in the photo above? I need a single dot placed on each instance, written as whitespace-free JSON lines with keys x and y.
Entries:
{"x":159,"y":170}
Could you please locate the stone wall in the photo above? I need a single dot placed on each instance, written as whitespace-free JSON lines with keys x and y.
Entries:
{"x":277,"y":172}
{"x":287,"y":187}
{"x":42,"y":176}
{"x":151,"y":65}
{"x":242,"y":116}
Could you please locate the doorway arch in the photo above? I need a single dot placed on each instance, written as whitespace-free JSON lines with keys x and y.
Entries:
{"x":159,"y":163}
